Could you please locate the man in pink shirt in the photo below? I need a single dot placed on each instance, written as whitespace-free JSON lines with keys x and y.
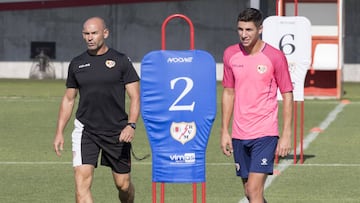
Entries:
{"x":253,"y":71}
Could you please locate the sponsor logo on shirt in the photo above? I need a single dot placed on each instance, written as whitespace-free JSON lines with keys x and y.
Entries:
{"x":110,"y":63}
{"x":84,"y":65}
{"x":261,"y":69}
{"x":237,"y":65}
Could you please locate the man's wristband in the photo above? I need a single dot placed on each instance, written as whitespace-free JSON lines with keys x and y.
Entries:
{"x":133,"y":125}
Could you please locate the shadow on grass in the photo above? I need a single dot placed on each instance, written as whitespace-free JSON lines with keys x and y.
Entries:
{"x":298,"y":158}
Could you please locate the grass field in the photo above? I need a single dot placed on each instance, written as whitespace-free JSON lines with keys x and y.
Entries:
{"x":31,"y":172}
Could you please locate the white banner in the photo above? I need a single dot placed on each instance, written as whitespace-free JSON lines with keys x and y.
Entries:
{"x":291,"y":35}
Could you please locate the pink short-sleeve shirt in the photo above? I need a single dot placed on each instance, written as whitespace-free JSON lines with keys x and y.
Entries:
{"x":255,"y":79}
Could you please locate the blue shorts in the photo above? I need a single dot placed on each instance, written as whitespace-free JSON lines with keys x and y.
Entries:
{"x":255,"y":155}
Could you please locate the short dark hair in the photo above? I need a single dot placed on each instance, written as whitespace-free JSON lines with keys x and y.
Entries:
{"x":251,"y":15}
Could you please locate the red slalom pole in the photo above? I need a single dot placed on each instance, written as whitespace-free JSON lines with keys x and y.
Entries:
{"x":154,"y":192}
{"x":194,"y":192}
{"x":302,"y":133}
{"x":203,"y":186}
{"x":295,"y":129}
{"x":162,"y":192}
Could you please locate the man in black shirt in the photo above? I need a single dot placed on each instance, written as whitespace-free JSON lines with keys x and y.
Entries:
{"x":102,"y":77}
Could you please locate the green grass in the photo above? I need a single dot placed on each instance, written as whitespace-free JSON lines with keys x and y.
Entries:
{"x":31,"y":172}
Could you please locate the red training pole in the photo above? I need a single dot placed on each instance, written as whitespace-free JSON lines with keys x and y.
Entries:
{"x":295,"y":129}
{"x":194,"y":192}
{"x":162,"y":191}
{"x":154,"y":192}
{"x":203,"y":187}
{"x":302,"y":133}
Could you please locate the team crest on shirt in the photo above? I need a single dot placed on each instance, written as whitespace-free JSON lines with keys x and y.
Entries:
{"x":110,"y":63}
{"x":261,"y":69}
{"x":183,"y":131}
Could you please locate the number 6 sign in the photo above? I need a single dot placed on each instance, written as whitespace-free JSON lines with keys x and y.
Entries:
{"x":178,"y":106}
{"x":292,"y":35}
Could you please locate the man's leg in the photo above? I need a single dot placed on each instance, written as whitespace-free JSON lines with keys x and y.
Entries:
{"x":83,"y":180}
{"x":125,"y":187}
{"x":254,"y":187}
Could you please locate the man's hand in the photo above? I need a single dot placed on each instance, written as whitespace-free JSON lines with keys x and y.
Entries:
{"x":58,"y":144}
{"x":226,"y":144}
{"x":127,"y":134}
{"x":284,"y":145}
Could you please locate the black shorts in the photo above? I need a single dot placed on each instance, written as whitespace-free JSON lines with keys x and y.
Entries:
{"x":86,"y":148}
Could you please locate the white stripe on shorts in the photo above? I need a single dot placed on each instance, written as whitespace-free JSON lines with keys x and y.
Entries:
{"x":76,"y":142}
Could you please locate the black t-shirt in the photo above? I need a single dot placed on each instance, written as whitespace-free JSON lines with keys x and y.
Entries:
{"x":101,"y":81}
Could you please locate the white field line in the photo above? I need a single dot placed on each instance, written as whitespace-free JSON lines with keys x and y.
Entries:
{"x":33,"y":163}
{"x":149,"y":163}
{"x":309,"y":138}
